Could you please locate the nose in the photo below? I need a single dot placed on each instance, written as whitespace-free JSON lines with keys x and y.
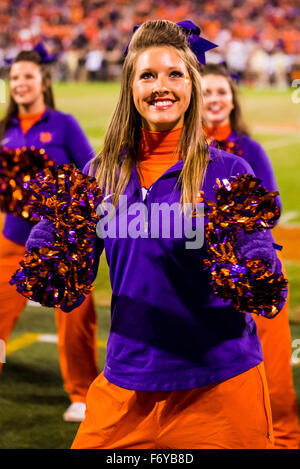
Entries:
{"x":213,"y":96}
{"x":160,"y":85}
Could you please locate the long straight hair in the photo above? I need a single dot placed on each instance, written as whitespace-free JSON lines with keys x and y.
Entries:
{"x":236,"y":119}
{"x":12,"y":108}
{"x":113,"y":166}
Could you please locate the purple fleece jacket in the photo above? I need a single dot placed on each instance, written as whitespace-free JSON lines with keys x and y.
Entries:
{"x":251,"y":151}
{"x":168,"y":330}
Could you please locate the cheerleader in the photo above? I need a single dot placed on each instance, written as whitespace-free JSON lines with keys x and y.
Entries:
{"x":184,"y":368}
{"x":224,"y":125}
{"x":32,"y":120}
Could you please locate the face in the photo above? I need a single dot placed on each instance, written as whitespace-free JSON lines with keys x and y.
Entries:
{"x":161,"y":89}
{"x":217,"y":100}
{"x":25,"y":81}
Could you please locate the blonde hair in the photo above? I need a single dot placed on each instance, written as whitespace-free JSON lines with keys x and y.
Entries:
{"x":111,"y":169}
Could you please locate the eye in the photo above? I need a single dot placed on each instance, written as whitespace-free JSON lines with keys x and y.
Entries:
{"x":176,"y":74}
{"x":146,"y":75}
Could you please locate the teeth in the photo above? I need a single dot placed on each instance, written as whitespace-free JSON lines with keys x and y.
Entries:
{"x":162,"y":103}
{"x":214,"y":108}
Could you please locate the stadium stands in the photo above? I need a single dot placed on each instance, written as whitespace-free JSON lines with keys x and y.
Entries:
{"x":259,"y":40}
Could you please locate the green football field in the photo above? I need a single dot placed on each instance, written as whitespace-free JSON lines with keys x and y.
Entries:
{"x":32,"y":399}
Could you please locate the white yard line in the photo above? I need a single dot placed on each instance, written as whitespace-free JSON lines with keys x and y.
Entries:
{"x":287,"y":217}
{"x":284,"y":142}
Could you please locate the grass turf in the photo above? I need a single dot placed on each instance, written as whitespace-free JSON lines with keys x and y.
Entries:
{"x":32,"y":399}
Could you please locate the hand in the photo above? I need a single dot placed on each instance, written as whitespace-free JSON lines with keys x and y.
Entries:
{"x":257,"y":245}
{"x":41,"y":235}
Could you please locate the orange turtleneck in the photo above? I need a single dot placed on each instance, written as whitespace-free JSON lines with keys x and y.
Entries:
{"x":157,"y":154}
{"x":28,"y":120}
{"x":219,"y":133}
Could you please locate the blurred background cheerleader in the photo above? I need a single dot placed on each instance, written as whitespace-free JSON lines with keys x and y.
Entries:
{"x":225,"y":128}
{"x":32,"y":120}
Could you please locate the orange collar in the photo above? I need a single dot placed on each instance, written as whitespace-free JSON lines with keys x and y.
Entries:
{"x":30,"y":116}
{"x":158,"y":145}
{"x":219,"y":133}
{"x":157,"y":153}
{"x":28,"y":120}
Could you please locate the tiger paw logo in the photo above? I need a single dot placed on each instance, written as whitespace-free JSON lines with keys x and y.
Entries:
{"x":200,"y":197}
{"x":45,"y":137}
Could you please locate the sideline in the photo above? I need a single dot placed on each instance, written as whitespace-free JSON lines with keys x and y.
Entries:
{"x":30,"y":338}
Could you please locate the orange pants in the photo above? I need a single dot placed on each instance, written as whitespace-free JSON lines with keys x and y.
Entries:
{"x":233,"y":414}
{"x":77,"y":331}
{"x":275,"y":338}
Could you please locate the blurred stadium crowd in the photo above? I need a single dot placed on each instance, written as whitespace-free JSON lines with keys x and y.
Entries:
{"x":259,"y":40}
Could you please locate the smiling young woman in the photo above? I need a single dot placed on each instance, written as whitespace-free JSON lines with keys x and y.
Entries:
{"x":182,"y":365}
{"x":224,"y":123}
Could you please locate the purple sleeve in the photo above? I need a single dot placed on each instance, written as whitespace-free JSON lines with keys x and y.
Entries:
{"x":87,"y":167}
{"x":241,"y":166}
{"x":260,"y":162}
{"x":98,"y":247}
{"x":257,"y":245}
{"x":260,"y":245}
{"x":76,"y":143}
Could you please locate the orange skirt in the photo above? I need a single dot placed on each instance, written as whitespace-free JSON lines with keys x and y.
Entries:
{"x":234,"y":414}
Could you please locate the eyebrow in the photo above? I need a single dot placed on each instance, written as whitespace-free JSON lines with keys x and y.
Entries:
{"x":29,"y":72}
{"x":150,"y":69}
{"x":208,"y":88}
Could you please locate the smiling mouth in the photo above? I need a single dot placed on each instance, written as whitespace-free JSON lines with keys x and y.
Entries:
{"x":162,"y":103}
{"x":215,"y":108}
{"x":21,"y":93}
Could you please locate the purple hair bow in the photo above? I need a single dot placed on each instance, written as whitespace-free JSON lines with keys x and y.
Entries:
{"x":197,"y":44}
{"x":42,"y":51}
